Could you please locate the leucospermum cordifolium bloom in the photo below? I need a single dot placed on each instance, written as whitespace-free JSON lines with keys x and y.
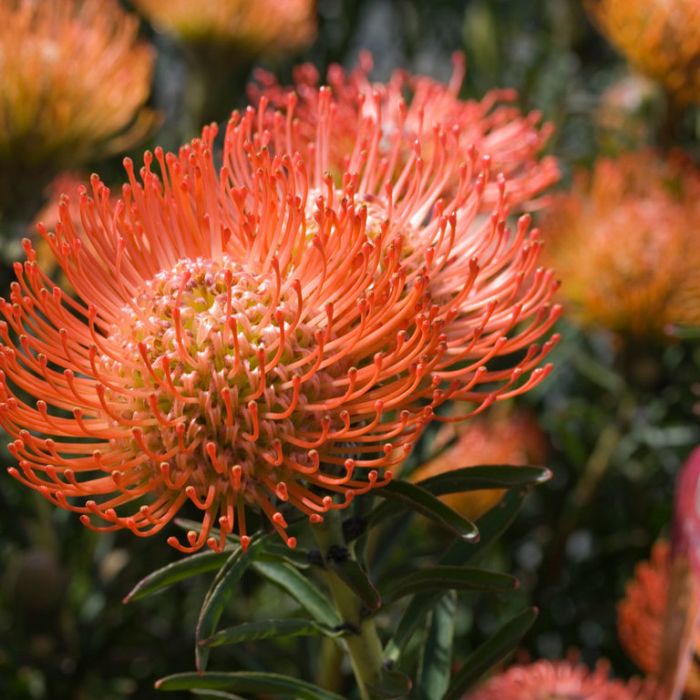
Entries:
{"x":260,"y":334}
{"x":624,"y":241}
{"x":407,"y":107}
{"x":264,"y":26}
{"x":661,"y":39}
{"x":73,"y":80}
{"x":641,"y":615}
{"x":559,"y":680}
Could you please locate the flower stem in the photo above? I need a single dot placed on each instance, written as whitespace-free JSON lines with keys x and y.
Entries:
{"x":362,"y":643}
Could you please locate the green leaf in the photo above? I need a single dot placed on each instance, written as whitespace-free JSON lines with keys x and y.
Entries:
{"x":391,"y":684}
{"x":485,"y":477}
{"x":250,"y":682}
{"x":299,"y":587}
{"x":356,"y":579}
{"x":177,"y":571}
{"x":436,"y":663}
{"x":216,"y":695}
{"x":264,"y":629}
{"x":219,"y":592}
{"x":491,"y":652}
{"x":443,"y":578}
{"x":477,"y":478}
{"x":295,"y":557}
{"x":491,"y":526}
{"x":422,"y":501}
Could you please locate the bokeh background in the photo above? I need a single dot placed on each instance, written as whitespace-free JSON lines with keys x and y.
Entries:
{"x":613,"y":422}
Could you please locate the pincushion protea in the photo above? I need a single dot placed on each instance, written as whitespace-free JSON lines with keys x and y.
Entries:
{"x":641,"y":614}
{"x":73,"y":80}
{"x":559,"y":680}
{"x":264,"y":26}
{"x":624,"y":242}
{"x":407,"y":106}
{"x":660,"y":38}
{"x":259,"y":336}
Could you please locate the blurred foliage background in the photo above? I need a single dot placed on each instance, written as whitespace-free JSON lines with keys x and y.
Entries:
{"x":618,"y":418}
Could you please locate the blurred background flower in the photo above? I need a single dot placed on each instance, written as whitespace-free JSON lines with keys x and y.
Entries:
{"x":624,"y":243}
{"x":221,"y":40}
{"x":558,"y":680}
{"x":641,"y":614}
{"x":659,"y":38}
{"x":74,"y":78}
{"x":247,"y":27}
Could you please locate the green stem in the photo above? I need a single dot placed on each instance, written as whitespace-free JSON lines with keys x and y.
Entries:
{"x":362,"y":643}
{"x":331,"y":657}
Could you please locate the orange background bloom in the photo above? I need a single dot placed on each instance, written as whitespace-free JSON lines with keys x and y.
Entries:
{"x":625,"y":242}
{"x":660,"y":38}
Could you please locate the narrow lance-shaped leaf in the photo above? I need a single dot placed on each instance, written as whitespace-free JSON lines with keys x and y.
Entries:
{"x":491,"y":526}
{"x":265,"y":629}
{"x":475,"y":478}
{"x":444,"y":578}
{"x":299,"y":587}
{"x":491,"y":652}
{"x":191,"y":565}
{"x":250,"y":683}
{"x":485,"y":477}
{"x":392,"y":684}
{"x":219,"y":592}
{"x":435,"y":669}
{"x":431,"y":507}
{"x":216,"y":695}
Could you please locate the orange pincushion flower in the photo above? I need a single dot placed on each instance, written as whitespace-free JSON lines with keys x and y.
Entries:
{"x":73,"y":77}
{"x":263,"y":26}
{"x":254,"y":336}
{"x":493,"y":125}
{"x":641,"y":613}
{"x":660,"y":38}
{"x":558,"y":680}
{"x":512,"y":439}
{"x":624,"y":241}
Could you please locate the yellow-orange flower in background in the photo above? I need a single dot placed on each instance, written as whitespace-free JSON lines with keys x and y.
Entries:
{"x":660,"y":38}
{"x":259,"y":27}
{"x":73,"y":81}
{"x":494,"y":439}
{"x":641,"y":614}
{"x":253,"y":335}
{"x":559,"y":680}
{"x":409,"y":107}
{"x":626,"y":242}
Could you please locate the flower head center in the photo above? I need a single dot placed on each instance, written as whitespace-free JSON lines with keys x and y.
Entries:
{"x":210,"y":351}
